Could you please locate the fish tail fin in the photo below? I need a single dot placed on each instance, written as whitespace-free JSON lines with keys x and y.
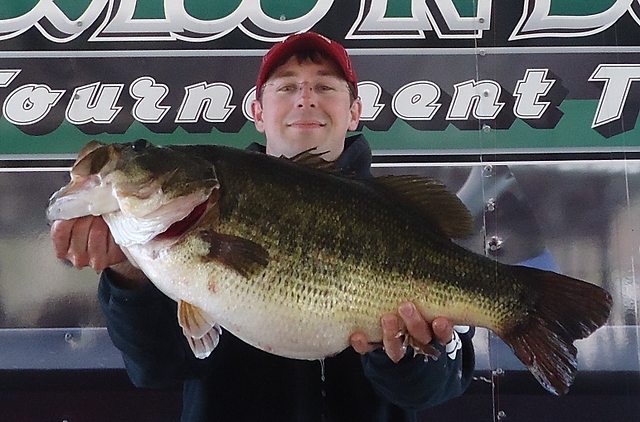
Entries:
{"x":565,"y":310}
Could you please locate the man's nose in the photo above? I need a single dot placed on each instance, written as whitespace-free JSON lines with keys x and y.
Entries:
{"x":306,"y":95}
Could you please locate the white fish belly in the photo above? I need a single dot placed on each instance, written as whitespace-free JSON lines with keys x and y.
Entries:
{"x":272,"y":322}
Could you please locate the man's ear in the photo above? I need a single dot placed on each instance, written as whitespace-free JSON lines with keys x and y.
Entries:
{"x":356,"y":111}
{"x":256,"y":110}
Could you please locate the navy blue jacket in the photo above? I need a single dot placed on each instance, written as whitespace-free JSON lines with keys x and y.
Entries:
{"x":241,"y":383}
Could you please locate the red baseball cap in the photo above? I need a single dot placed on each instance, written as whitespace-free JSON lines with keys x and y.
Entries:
{"x":280,"y":52}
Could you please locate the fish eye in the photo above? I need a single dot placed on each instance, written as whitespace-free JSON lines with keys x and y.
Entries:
{"x":140,"y":145}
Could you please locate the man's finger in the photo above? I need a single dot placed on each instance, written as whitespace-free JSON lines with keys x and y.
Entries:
{"x":97,"y":244}
{"x":360,"y":343}
{"x":77,"y":253}
{"x":61,"y":237}
{"x":416,"y":325}
{"x":114,"y":252}
{"x":393,"y":343}
{"x":442,"y":330}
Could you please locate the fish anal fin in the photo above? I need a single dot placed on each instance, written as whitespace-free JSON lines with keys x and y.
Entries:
{"x":432,"y":200}
{"x":241,"y":255}
{"x":566,"y":309}
{"x":202,"y":333}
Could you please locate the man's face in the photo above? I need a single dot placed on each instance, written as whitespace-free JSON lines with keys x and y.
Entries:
{"x":306,"y":105}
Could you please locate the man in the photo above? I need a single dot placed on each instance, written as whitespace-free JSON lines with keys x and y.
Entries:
{"x":306,"y":97}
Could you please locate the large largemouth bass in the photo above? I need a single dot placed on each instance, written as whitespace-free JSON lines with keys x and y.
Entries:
{"x":293,"y":259}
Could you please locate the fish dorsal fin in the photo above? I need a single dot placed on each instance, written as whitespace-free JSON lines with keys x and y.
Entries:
{"x":313,"y":158}
{"x":433,"y":201}
{"x":202,"y":333}
{"x":241,"y":255}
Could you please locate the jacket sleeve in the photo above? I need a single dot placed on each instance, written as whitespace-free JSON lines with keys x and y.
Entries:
{"x":142,"y":324}
{"x":416,"y":384}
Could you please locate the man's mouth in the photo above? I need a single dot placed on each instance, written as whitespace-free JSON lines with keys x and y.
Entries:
{"x":306,"y":124}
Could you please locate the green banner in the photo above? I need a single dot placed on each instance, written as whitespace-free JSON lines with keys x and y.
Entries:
{"x":444,"y":76}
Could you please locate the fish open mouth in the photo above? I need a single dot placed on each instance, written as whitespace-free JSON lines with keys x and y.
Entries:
{"x":180,"y":227}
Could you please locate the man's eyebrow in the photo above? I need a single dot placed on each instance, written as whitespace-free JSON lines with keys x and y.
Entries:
{"x":284,"y":74}
{"x":291,"y":73}
{"x":326,"y":72}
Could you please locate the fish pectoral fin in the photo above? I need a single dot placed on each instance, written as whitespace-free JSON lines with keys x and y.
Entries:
{"x":202,"y":333}
{"x":241,"y":255}
{"x":442,"y":208}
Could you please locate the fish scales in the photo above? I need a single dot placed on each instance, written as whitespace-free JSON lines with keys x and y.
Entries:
{"x":398,"y":259}
{"x":293,"y":259}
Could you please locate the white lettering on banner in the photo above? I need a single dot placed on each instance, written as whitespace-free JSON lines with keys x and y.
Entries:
{"x":52,"y":22}
{"x":537,"y":22}
{"x":148,"y":95}
{"x":417,"y":101}
{"x":480,"y":97}
{"x":455,"y":26}
{"x":179,"y":24}
{"x":120,"y":25}
{"x":214,"y":99}
{"x":30,"y":103}
{"x":528,"y":92}
{"x":7,"y":76}
{"x":94,"y":103}
{"x":439,"y":15}
{"x":280,"y":28}
{"x":617,"y":80}
{"x":635,"y":11}
{"x":370,"y":94}
{"x":372,"y":22}
{"x":246,"y":104}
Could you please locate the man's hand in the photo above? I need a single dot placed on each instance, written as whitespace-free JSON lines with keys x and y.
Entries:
{"x":87,"y":242}
{"x":409,"y":320}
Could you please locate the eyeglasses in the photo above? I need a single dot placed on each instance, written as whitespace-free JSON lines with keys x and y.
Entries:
{"x":324,"y":87}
